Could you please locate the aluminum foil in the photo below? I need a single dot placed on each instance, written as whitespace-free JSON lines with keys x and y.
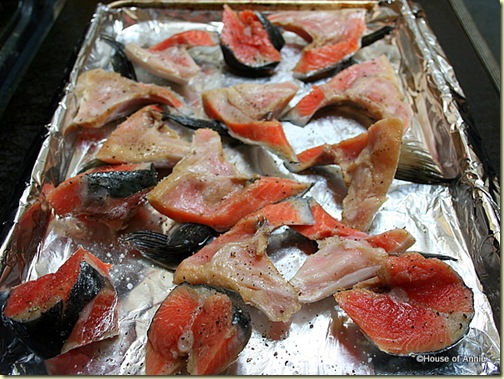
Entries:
{"x":458,"y":217}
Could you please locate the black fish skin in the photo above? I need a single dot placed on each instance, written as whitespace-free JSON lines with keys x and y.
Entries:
{"x":119,"y":184}
{"x":274,"y":33}
{"x":196,"y":123}
{"x":241,"y":316}
{"x":243,"y":69}
{"x":254,"y":68}
{"x":188,"y":237}
{"x":170,"y":249}
{"x":13,"y":354}
{"x":330,"y":70}
{"x":47,"y":334}
{"x":120,"y":61}
{"x":377,"y":35}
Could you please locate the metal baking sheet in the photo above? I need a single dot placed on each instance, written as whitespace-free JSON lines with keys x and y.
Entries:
{"x":459,"y":218}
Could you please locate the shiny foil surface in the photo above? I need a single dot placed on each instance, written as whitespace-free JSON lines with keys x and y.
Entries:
{"x":456,"y":215}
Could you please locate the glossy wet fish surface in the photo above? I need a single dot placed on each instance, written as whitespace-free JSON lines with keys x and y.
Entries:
{"x":249,"y":42}
{"x":372,"y":86}
{"x":71,"y":308}
{"x":100,"y":101}
{"x":110,"y":194}
{"x":332,"y":37}
{"x":412,"y":316}
{"x":250,"y":112}
{"x":240,"y":197}
{"x":198,"y":329}
{"x":144,"y":137}
{"x":169,"y":59}
{"x":204,"y":188}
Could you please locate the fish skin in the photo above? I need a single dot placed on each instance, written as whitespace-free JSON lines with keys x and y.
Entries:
{"x":250,"y":112}
{"x":169,"y":59}
{"x":332,"y":36}
{"x":372,"y":86}
{"x":64,"y":315}
{"x":144,"y":137}
{"x":119,"y":61}
{"x":109,"y":194}
{"x":198,"y":327}
{"x":204,"y":188}
{"x":237,"y":260}
{"x":427,"y":307}
{"x":246,"y":43}
{"x":104,"y":96}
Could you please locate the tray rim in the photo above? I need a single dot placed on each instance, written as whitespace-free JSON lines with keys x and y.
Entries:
{"x":241,"y":4}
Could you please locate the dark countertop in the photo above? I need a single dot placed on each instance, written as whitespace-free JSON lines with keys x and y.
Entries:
{"x":31,"y":107}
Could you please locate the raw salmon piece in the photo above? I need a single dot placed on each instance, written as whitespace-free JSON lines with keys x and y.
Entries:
{"x":426,"y":306}
{"x":248,"y":101}
{"x":187,"y":39}
{"x":392,"y":241}
{"x":222,"y":329}
{"x":197,"y":326}
{"x":72,"y":307}
{"x":174,"y":64}
{"x":333,"y":37}
{"x":28,"y":232}
{"x":339,"y":264}
{"x":237,"y":260}
{"x":169,"y":335}
{"x":144,"y":137}
{"x":368,"y":163}
{"x":369,"y":177}
{"x":250,"y":112}
{"x":345,"y":257}
{"x":372,"y":86}
{"x":109,"y":194}
{"x":169,"y":59}
{"x":342,"y":153}
{"x":204,"y":188}
{"x":325,"y":226}
{"x":247,"y":44}
{"x":104,"y":96}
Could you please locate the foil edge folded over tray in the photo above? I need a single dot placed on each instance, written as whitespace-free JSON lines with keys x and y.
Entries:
{"x":476,"y":203}
{"x":482,"y":185}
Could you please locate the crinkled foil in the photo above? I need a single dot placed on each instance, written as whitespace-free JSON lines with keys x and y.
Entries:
{"x":458,"y":217}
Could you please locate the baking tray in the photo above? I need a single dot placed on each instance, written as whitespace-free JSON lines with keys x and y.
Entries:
{"x":458,"y":216}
